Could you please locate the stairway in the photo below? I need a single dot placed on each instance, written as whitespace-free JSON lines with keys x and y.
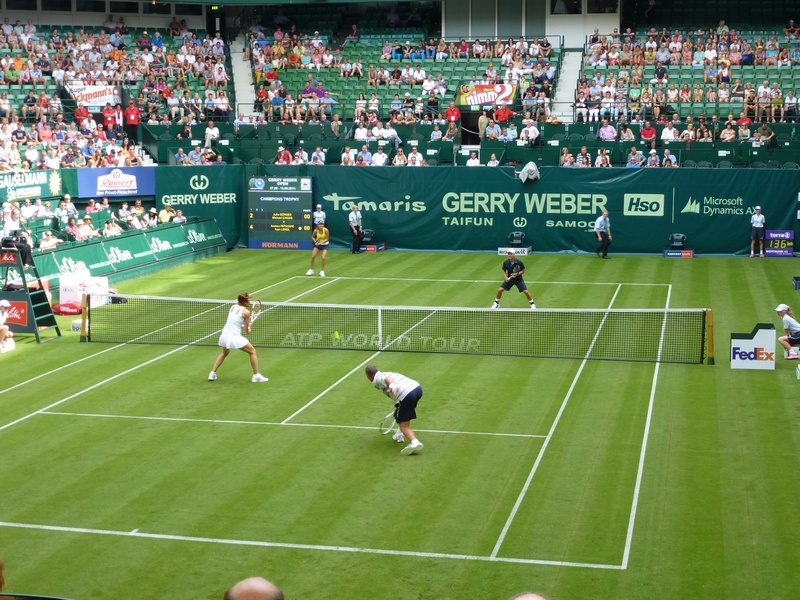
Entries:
{"x":567,"y":84}
{"x":242,"y":78}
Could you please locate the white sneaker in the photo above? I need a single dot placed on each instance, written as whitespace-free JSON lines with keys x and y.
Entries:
{"x":212,"y":376}
{"x":399,"y":437}
{"x":259,"y":378}
{"x":413,"y":448}
{"x":310,"y":272}
{"x":533,"y":307}
{"x":495,"y":305}
{"x":793,"y":356}
{"x":321,"y":273}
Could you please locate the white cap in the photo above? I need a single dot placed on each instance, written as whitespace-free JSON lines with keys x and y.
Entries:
{"x":319,"y":205}
{"x":758,"y":208}
{"x":509,"y":251}
{"x":781,"y":308}
{"x":653,"y":152}
{"x":5,"y":303}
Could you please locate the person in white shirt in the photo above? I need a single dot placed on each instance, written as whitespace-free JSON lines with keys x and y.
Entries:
{"x":757,"y":222}
{"x":27,"y":210}
{"x":379,"y":158}
{"x":232,"y":338}
{"x":406,"y":394}
{"x":531,"y":132}
{"x":390,"y":135}
{"x":473,"y":160}
{"x":318,"y":154}
{"x":669,"y":134}
{"x":211,"y":134}
{"x":493,"y":162}
{"x":361,"y":133}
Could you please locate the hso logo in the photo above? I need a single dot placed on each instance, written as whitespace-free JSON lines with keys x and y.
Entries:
{"x":692,"y":206}
{"x":643,"y":205}
{"x":198,"y":182}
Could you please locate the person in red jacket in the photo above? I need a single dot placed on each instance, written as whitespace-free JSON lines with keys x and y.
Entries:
{"x":503,"y":114}
{"x":81,"y":112}
{"x":132,"y":121}
{"x":452,"y":114}
{"x":108,"y":116}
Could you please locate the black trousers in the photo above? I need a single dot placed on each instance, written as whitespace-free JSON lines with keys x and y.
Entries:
{"x":358,"y":237}
{"x":604,"y":243}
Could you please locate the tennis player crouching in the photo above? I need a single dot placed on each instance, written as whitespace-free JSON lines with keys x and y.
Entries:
{"x":232,"y":338}
{"x":406,"y":393}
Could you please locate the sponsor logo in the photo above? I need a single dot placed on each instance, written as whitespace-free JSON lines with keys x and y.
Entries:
{"x":116,"y":181}
{"x":198,"y":182}
{"x":68,"y":265}
{"x":692,"y":206}
{"x":195,"y":237}
{"x":8,"y":258}
{"x":643,"y":205}
{"x":115,"y":255}
{"x":755,"y":354}
{"x":712,"y":205}
{"x":678,"y":253}
{"x":157,"y":245}
{"x":54,"y":182}
{"x":17,"y":314}
{"x":583,"y":225}
{"x":520,"y":221}
{"x":475,"y":95}
{"x":305,"y":184}
{"x":192,"y":199}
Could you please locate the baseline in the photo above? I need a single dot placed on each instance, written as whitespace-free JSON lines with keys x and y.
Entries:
{"x":323,"y":548}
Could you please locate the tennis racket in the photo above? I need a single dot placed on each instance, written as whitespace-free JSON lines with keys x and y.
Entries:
{"x":255,"y":310}
{"x":515,"y":271}
{"x":388,"y":424}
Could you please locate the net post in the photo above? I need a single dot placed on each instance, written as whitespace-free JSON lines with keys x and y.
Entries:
{"x":84,"y":317}
{"x":710,"y":328}
{"x":380,"y":329}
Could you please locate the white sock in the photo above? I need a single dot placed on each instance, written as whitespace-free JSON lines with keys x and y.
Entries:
{"x":496,"y":301}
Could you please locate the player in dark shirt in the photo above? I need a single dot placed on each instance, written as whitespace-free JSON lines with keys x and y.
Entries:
{"x":512,"y":274}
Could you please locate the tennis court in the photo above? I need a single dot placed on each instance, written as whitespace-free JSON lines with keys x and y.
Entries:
{"x":536,"y":471}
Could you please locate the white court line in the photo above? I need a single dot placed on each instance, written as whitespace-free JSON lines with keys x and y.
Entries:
{"x":348,"y":549}
{"x":538,"y":460}
{"x":640,"y":470}
{"x":276,"y":423}
{"x":80,"y":360}
{"x":109,"y":379}
{"x":495,"y":281}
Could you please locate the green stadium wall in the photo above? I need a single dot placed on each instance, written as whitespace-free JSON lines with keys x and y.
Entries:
{"x":471,"y":208}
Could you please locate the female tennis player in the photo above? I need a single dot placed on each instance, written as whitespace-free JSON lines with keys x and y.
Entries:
{"x":406,"y":393}
{"x":320,"y":237}
{"x":791,"y":330}
{"x":232,"y":338}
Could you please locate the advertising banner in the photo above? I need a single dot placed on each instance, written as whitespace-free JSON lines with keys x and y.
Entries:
{"x":480,"y":94}
{"x":203,"y":234}
{"x":94,"y":96}
{"x":207,"y":193}
{"x":30,"y":184}
{"x":279,"y":212}
{"x":475,"y":208}
{"x":127,"y":251}
{"x":119,"y":181}
{"x":166,"y":242}
{"x":779,"y":243}
{"x":89,"y":258}
{"x":754,"y":350}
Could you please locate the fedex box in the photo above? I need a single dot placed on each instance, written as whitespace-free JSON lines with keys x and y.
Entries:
{"x":754,"y":350}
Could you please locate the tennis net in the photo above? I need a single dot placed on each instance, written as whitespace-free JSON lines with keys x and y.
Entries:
{"x":665,"y":335}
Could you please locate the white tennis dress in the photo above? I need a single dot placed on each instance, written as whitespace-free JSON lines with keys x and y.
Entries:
{"x":232,"y":337}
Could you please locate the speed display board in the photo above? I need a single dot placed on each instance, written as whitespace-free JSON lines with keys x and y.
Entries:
{"x":279,"y":213}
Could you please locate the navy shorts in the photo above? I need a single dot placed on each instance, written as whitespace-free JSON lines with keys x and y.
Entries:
{"x":507,"y":285}
{"x":407,"y":407}
{"x":758,"y":233}
{"x":794,"y":338}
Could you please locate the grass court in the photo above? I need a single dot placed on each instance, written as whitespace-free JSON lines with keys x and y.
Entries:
{"x":127,"y":475}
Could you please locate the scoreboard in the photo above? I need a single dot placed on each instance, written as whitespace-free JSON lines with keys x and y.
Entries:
{"x":779,"y":243}
{"x":279,"y":212}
